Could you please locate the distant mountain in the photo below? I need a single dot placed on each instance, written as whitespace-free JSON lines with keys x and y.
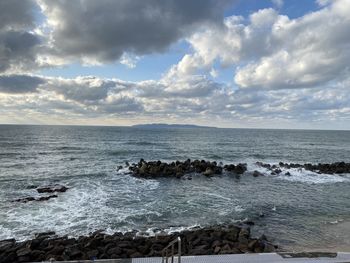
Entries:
{"x":165,"y":126}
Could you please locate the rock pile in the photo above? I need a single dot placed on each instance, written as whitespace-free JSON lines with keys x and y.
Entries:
{"x":52,"y":189}
{"x":210,"y":240}
{"x":30,"y":199}
{"x":321,"y":168}
{"x":155,"y":169}
{"x":178,"y":169}
{"x":44,"y":189}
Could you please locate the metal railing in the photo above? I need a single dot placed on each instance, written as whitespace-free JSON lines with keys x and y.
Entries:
{"x":166,"y":256}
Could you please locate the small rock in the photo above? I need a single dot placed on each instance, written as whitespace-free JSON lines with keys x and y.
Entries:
{"x":208,"y":172}
{"x":257,"y":173}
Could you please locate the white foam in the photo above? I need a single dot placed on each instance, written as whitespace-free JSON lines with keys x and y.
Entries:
{"x":239,"y":208}
{"x":302,"y":175}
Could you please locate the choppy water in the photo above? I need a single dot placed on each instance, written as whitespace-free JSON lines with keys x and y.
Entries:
{"x":304,"y":210}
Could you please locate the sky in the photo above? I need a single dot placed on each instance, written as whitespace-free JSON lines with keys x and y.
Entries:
{"x":227,"y":63}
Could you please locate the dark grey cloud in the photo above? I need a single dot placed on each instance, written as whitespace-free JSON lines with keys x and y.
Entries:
{"x":103,"y":30}
{"x":18,"y":44}
{"x":16,"y":14}
{"x":17,"y":84}
{"x":18,"y":50}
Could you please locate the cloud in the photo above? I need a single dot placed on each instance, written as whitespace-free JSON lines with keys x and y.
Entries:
{"x":129,"y":60}
{"x":18,"y":44}
{"x":284,"y":70}
{"x":18,"y":84}
{"x":305,"y":52}
{"x":94,"y":33}
{"x":272,"y":51}
{"x":16,"y":14}
{"x":200,"y":100}
{"x":279,"y":3}
{"x":102,"y":31}
{"x":18,"y":51}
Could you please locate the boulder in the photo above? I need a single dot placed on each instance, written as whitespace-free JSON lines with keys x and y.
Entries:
{"x":208,"y":172}
{"x":52,"y":189}
{"x":257,"y":173}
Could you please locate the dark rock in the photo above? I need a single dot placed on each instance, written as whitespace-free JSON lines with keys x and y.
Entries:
{"x":37,"y":255}
{"x":257,"y":173}
{"x":217,"y":249}
{"x":8,"y":258}
{"x":93,"y":243}
{"x":39,"y":199}
{"x":136,"y":255}
{"x":277,"y":171}
{"x":56,"y":250}
{"x":72,"y":252}
{"x":92,"y":254}
{"x":208,"y":172}
{"x":25,"y":199}
{"x":23,"y":252}
{"x":269,"y":248}
{"x":115,"y":251}
{"x":45,"y":198}
{"x":6,"y":244}
{"x":197,"y":241}
{"x":23,"y":259}
{"x":52,"y":189}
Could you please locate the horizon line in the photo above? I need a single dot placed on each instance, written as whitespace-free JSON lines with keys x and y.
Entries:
{"x":198,"y":126}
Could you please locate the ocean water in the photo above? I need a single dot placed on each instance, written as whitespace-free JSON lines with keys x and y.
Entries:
{"x":301,"y":211}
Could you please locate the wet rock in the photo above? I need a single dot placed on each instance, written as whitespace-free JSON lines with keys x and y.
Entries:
{"x":237,"y":169}
{"x":6,"y":244}
{"x":217,"y":249}
{"x":24,"y":200}
{"x":23,"y":252}
{"x":269,"y":248}
{"x":208,"y":172}
{"x":114,"y":251}
{"x":257,"y":173}
{"x":52,"y":189}
{"x":277,"y":171}
{"x":44,"y":234}
{"x":197,"y":241}
{"x":45,"y":198}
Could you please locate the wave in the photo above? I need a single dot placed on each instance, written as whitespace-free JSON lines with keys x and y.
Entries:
{"x":69,"y":148}
{"x":143,"y":143}
{"x":301,"y":175}
{"x":122,"y":152}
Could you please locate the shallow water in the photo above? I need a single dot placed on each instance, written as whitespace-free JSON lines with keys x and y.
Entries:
{"x":304,"y":210}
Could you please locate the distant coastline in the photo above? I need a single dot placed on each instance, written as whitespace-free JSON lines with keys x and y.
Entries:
{"x":164,"y":126}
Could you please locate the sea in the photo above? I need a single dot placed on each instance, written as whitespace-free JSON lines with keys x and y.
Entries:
{"x":302,"y":211}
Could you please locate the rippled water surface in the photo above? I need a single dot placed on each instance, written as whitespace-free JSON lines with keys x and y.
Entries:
{"x":302,"y":210}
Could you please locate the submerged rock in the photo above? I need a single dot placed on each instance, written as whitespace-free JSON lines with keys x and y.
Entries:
{"x":52,"y":189}
{"x":321,"y":168}
{"x":39,"y":199}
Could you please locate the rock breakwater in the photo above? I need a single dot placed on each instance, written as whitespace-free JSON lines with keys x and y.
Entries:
{"x":177,"y":169}
{"x":230,"y":239}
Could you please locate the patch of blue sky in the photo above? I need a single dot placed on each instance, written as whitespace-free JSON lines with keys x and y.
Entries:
{"x":150,"y":66}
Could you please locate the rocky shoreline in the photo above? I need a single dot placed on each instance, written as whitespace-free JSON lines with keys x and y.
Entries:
{"x":228,"y":239}
{"x":178,"y":169}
